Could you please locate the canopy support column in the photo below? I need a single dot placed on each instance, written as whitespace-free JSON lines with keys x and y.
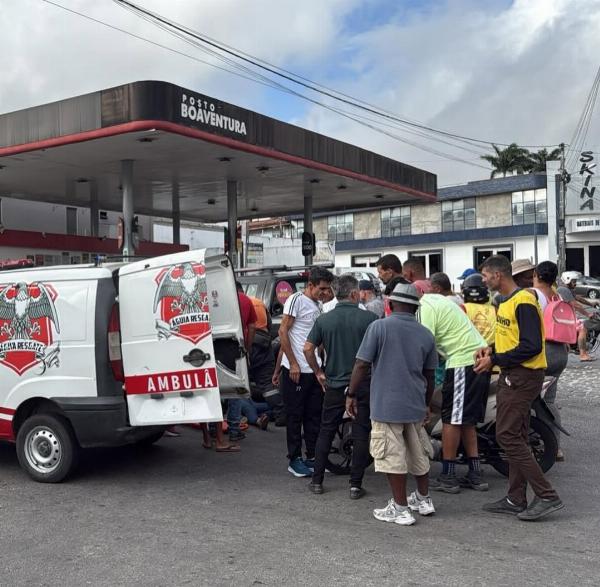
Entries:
{"x":176,"y":214}
{"x":94,"y":210}
{"x":232,"y":221}
{"x":308,"y":216}
{"x":127,"y":194}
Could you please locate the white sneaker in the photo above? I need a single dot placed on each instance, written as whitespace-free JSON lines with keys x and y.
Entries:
{"x":390,"y":513}
{"x":423,"y":506}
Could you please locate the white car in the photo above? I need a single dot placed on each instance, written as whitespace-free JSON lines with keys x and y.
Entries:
{"x":108,"y":355}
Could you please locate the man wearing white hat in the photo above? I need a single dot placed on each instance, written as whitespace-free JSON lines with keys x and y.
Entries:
{"x":402,"y":357}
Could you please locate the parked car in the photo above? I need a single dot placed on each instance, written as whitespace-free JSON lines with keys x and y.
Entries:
{"x":273,"y":285}
{"x":361,"y":274}
{"x":588,"y":287}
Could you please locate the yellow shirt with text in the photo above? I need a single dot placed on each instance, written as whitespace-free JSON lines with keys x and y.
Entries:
{"x":483,"y":317}
{"x":507,"y":327}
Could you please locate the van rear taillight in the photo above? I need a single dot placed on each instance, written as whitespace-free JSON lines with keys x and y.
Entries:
{"x":114,"y":345}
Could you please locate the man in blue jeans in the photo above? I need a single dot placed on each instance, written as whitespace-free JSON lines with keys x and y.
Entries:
{"x":340,"y":333}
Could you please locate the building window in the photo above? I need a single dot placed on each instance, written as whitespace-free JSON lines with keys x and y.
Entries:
{"x":297,"y":228}
{"x":340,"y":227}
{"x":458,"y":215}
{"x":482,"y":254}
{"x":395,"y":221}
{"x":365,"y":260}
{"x":432,"y":261}
{"x":529,"y":207}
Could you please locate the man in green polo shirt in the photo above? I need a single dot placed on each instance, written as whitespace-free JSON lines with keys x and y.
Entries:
{"x":340,"y":333}
{"x":464,"y":392}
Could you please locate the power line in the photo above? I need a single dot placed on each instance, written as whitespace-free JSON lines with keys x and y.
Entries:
{"x":253,"y":76}
{"x":294,"y":78}
{"x":583,"y":125}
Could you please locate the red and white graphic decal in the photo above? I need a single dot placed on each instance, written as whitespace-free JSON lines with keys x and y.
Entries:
{"x":29,"y":327}
{"x":181,"y":302}
{"x":167,"y":382}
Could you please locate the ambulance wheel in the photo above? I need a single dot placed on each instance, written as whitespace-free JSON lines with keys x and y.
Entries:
{"x":46,"y":448}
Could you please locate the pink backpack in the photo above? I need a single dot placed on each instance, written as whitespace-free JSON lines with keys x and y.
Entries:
{"x":560,"y":322}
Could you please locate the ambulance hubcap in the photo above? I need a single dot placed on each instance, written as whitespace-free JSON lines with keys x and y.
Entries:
{"x":43,"y":450}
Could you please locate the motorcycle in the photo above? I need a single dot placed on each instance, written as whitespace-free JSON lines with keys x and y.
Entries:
{"x":593,"y":337}
{"x":542,"y":435}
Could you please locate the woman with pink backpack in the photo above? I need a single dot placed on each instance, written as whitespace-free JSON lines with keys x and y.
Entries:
{"x":560,"y":326}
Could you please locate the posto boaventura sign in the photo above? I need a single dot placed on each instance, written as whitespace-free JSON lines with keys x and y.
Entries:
{"x":199,"y":109}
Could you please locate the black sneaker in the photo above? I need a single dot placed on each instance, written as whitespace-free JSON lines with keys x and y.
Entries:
{"x":357,"y":492}
{"x":445,"y":483}
{"x":316,"y":488}
{"x":503,"y":506}
{"x":474,"y":480}
{"x":539,"y":508}
{"x":235,"y":436}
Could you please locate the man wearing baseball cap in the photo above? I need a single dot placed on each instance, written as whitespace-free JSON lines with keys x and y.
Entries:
{"x":402,"y":357}
{"x":466,"y":273}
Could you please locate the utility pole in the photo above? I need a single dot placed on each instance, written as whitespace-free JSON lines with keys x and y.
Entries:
{"x":564,"y":178}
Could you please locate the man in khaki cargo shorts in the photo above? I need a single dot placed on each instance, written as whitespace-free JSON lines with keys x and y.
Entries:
{"x":402,"y":356}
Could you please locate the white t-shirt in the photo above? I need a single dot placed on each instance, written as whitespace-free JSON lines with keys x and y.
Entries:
{"x":305,"y":312}
{"x":328,"y":306}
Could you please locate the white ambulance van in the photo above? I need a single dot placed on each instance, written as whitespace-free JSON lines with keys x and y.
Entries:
{"x":107,"y":355}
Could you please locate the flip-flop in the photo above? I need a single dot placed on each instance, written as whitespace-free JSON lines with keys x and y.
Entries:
{"x":207,"y":446}
{"x":590,"y":360}
{"x":229,"y":448}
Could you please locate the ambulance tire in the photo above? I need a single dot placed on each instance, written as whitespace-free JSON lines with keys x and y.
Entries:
{"x":47,"y":448}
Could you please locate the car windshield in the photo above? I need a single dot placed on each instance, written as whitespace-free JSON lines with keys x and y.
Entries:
{"x":250,"y":289}
{"x":591,"y":280}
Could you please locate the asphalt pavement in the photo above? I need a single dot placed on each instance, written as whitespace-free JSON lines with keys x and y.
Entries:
{"x":178,"y":514}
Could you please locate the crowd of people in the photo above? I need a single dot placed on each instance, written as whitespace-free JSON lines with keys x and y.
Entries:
{"x":345,"y":349}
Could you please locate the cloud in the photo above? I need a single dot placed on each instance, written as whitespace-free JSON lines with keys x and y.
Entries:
{"x":517,"y":73}
{"x":505,"y":71}
{"x":54,"y":54}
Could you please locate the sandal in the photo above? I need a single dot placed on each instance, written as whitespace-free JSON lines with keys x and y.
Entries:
{"x":229,"y":448}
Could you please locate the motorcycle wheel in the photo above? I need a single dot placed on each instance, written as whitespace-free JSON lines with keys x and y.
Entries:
{"x":339,"y":461}
{"x":543,"y":446}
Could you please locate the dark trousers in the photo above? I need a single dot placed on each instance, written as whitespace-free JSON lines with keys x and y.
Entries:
{"x":303,"y":403}
{"x":334,"y":406}
{"x":517,"y":388}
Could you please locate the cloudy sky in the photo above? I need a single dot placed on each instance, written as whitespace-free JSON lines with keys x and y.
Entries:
{"x":497,"y":70}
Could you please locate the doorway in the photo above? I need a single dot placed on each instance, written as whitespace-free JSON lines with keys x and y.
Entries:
{"x":431,"y":261}
{"x":594,"y":260}
{"x":482,"y":254}
{"x":576,"y":259}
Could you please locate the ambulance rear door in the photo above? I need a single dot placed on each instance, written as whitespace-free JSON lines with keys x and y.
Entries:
{"x":169,"y":363}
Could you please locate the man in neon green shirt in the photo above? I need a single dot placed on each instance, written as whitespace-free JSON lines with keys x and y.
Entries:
{"x":464,"y":392}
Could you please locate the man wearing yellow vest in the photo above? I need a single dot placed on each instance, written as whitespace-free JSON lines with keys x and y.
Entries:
{"x":519,"y":352}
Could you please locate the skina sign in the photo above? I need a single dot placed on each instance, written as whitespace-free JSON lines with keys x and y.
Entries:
{"x":198,"y":109}
{"x":587,"y":172}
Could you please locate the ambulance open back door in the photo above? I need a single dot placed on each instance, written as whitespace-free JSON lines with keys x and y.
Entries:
{"x":181,"y":338}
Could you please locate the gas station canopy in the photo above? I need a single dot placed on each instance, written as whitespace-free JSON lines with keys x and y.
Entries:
{"x":186,"y":146}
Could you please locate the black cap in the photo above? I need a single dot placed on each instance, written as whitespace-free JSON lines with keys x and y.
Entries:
{"x":366,"y":285}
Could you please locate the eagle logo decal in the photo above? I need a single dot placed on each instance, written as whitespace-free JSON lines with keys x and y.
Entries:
{"x":29,"y":326}
{"x":181,"y":302}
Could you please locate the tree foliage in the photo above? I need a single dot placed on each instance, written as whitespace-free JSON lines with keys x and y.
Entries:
{"x":517,"y":159}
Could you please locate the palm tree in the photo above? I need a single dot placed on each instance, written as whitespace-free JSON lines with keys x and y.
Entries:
{"x":511,"y":158}
{"x":537,"y":161}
